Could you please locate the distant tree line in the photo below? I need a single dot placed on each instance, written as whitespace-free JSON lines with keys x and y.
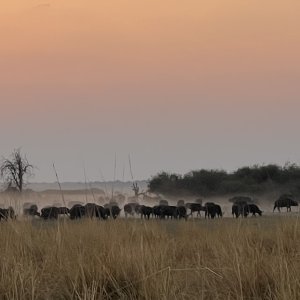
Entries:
{"x":255,"y":179}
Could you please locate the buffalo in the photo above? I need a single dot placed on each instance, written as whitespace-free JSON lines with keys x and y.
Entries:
{"x":219,"y":212}
{"x":181,"y":212}
{"x":146,"y":211}
{"x":285,"y":201}
{"x":168,"y":211}
{"x":48,"y":213}
{"x":195,"y":207}
{"x":210,"y":210}
{"x":113,"y":211}
{"x":240,"y":209}
{"x":254,"y":209}
{"x":77,"y":212}
{"x":156,"y":211}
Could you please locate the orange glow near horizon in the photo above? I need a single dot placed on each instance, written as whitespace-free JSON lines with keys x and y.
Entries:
{"x":86,"y":63}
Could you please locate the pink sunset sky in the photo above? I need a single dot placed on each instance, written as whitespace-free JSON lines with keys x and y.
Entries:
{"x":178,"y":85}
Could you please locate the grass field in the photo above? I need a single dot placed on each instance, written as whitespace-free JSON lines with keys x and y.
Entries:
{"x":254,"y":258}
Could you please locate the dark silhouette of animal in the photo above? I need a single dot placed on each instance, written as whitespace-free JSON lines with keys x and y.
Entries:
{"x":285,"y":201}
{"x":195,"y":207}
{"x":113,"y":211}
{"x":219,"y":212}
{"x":146,"y":211}
{"x":32,"y":210}
{"x":168,"y":211}
{"x":77,"y":212}
{"x":7,"y":213}
{"x":106,"y":212}
{"x":156,"y":211}
{"x":181,"y":212}
{"x":253,"y":209}
{"x":210,"y":210}
{"x":49,"y":213}
{"x":240,"y":209}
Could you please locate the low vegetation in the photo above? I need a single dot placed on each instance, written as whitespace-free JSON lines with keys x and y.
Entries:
{"x":252,"y":180}
{"x":254,"y":258}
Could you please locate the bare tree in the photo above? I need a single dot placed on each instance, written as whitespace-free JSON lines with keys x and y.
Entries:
{"x":15,"y":170}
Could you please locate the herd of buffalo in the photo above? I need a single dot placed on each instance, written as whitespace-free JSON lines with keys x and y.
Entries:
{"x":241,"y":206}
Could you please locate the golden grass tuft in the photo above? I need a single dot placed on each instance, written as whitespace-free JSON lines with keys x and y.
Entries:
{"x":257,"y":258}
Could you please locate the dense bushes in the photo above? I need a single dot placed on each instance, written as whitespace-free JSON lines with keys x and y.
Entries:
{"x":247,"y":179}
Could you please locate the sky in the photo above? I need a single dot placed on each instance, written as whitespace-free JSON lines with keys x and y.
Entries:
{"x":177,"y":85}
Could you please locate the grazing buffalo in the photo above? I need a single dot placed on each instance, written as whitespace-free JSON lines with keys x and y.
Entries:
{"x":146,"y":211}
{"x":285,"y":201}
{"x":32,"y":210}
{"x":7,"y":213}
{"x":253,"y":209}
{"x":129,"y":209}
{"x":240,"y":209}
{"x":48,"y":213}
{"x":77,"y":212}
{"x":181,"y":212}
{"x":195,"y":207}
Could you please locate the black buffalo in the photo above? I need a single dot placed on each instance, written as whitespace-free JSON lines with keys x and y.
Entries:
{"x":219,"y":212}
{"x":195,"y":207}
{"x":285,"y":201}
{"x":48,"y":213}
{"x":7,"y":213}
{"x":210,"y":210}
{"x":146,"y":211}
{"x":181,"y":212}
{"x":168,"y":211}
{"x":254,"y":209}
{"x":113,"y":211}
{"x":157,"y":211}
{"x":240,"y":209}
{"x":77,"y":211}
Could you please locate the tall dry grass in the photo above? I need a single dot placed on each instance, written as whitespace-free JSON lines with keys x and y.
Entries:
{"x":257,"y":258}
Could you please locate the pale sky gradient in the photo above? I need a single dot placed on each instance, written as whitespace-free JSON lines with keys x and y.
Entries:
{"x":179,"y":85}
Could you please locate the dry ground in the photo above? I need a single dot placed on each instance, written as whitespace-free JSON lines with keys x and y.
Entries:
{"x":254,"y":258}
